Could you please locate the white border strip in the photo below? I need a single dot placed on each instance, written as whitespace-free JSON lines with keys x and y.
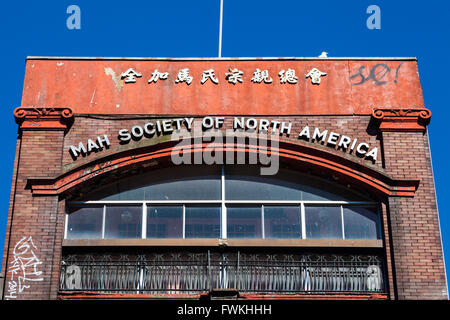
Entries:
{"x":217,"y":58}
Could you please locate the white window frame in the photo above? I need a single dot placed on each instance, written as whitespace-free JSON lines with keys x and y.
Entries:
{"x":223,"y":204}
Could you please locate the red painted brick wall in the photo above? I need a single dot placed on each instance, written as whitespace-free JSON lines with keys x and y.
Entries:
{"x":38,"y":154}
{"x":411,"y":229}
{"x":416,"y":241}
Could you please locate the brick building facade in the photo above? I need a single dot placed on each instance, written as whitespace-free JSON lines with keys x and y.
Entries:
{"x":350,"y":138}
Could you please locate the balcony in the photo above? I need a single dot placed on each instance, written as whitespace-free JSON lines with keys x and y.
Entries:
{"x":189,"y":273}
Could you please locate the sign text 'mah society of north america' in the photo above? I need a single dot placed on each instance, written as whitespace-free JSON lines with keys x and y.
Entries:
{"x":261,"y":126}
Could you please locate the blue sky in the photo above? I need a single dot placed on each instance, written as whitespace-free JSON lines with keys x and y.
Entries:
{"x":251,"y":28}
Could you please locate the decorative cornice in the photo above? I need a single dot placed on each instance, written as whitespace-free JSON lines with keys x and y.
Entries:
{"x":32,"y":118}
{"x":402,"y":119}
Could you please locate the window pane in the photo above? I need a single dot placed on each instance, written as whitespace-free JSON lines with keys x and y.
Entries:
{"x":245,"y":187}
{"x":174,"y":183}
{"x":165,"y":222}
{"x":323,"y":222}
{"x":243,"y":182}
{"x":360,"y":223}
{"x":85,"y":223}
{"x":244,"y":222}
{"x":202,"y":222}
{"x":246,"y":183}
{"x":123,"y":222}
{"x":201,"y":188}
{"x":282,"y":222}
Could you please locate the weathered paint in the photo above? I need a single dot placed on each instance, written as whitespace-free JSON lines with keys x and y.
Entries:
{"x":95,"y":87}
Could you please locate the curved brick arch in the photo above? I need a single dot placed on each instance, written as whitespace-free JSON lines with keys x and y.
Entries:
{"x":348,"y":171}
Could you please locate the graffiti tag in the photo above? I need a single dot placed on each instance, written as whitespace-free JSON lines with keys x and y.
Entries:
{"x":377,"y":73}
{"x":24,"y":268}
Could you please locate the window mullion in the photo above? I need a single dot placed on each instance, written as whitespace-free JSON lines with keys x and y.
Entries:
{"x":67,"y":224}
{"x":144,"y":221}
{"x":262,"y":222}
{"x":342,"y":221}
{"x":103,"y":221}
{"x":184,"y":221}
{"x":302,"y":213}
{"x":224,"y":209}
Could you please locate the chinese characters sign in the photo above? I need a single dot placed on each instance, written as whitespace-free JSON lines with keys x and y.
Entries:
{"x":165,"y":86}
{"x":233,"y":76}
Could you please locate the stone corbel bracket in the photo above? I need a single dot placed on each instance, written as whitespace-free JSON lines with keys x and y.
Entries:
{"x":402,"y":119}
{"x":33,"y":118}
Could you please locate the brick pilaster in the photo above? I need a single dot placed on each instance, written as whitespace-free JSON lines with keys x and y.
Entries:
{"x":32,"y":223}
{"x":416,"y":240}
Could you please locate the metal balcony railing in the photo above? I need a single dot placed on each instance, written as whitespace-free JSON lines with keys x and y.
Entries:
{"x":173,"y":273}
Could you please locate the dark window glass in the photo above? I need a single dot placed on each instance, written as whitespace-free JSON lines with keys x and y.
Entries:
{"x":202,"y":222}
{"x":175,"y":183}
{"x":123,"y":222}
{"x":360,"y":223}
{"x":201,"y":188}
{"x":244,"y":222}
{"x":282,"y":222}
{"x":165,"y":222}
{"x":323,"y":222}
{"x":85,"y":223}
{"x":246,"y":183}
{"x":242,"y":183}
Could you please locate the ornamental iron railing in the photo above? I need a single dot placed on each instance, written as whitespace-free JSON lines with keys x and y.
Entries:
{"x":174,"y":273}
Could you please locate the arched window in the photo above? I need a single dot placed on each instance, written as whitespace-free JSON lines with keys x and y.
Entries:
{"x":223,"y":202}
